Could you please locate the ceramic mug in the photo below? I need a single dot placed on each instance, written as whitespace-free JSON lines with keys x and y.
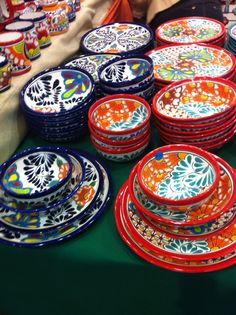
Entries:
{"x":31,"y":40}
{"x":41,"y":26}
{"x":5,"y":74}
{"x":77,"y":5}
{"x":71,"y":9}
{"x":12,"y":46}
{"x":57,"y":18}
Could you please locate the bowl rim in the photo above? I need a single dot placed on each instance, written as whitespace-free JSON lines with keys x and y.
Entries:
{"x":184,"y":201}
{"x":185,"y":82}
{"x":117,"y":97}
{"x":57,"y":150}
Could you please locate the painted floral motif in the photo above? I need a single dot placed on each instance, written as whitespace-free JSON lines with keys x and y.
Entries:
{"x":188,"y":247}
{"x":74,"y":83}
{"x":206,"y":33}
{"x":172,"y":74}
{"x":22,"y":220}
{"x":197,"y":110}
{"x":172,"y":32}
{"x":198,"y":55}
{"x":84,"y":195}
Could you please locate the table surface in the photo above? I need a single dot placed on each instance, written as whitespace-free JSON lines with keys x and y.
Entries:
{"x":96,"y":273}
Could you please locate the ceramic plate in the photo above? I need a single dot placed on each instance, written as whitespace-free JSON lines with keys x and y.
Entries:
{"x":117,"y":38}
{"x":190,"y":30}
{"x":56,"y":91}
{"x":91,"y":63}
{"x":220,"y":202}
{"x":75,"y":207}
{"x":174,"y":264}
{"x":178,"y":62}
{"x":18,"y":238}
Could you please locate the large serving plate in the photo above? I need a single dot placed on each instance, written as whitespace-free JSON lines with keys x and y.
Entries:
{"x":19,"y":238}
{"x":174,"y":264}
{"x":177,"y":62}
{"x":190,"y":30}
{"x":117,"y":38}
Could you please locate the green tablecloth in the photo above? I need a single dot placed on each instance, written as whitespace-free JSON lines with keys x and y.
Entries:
{"x":96,"y":273}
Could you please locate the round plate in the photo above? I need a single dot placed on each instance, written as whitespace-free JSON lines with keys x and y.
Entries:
{"x":26,"y":239}
{"x":178,"y":62}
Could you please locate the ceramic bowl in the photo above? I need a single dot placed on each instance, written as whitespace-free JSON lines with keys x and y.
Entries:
{"x":118,"y":38}
{"x":178,"y":176}
{"x":120,"y":115}
{"x":195,"y":100}
{"x":36,"y":173}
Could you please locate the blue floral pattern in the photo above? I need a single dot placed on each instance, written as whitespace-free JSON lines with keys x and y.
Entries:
{"x":198,"y":110}
{"x":188,"y":247}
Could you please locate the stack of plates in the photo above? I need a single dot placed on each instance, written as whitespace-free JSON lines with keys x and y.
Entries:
{"x":118,"y":38}
{"x":231,"y":42}
{"x":191,"y":30}
{"x":132,"y":75}
{"x":34,"y":211}
{"x":91,"y":63}
{"x":55,"y":103}
{"x":191,"y":239}
{"x":120,"y":126}
{"x":198,"y":111}
{"x":184,"y":61}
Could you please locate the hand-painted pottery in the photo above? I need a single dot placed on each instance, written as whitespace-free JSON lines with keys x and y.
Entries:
{"x":120,"y":114}
{"x":30,"y":37}
{"x":178,"y":176}
{"x":190,"y":30}
{"x":41,"y":26}
{"x":5,"y":74}
{"x":91,"y":63}
{"x":219,"y":243}
{"x":71,"y":10}
{"x":177,"y":62}
{"x":19,"y":238}
{"x":6,"y":13}
{"x":195,"y":100}
{"x":37,"y":172}
{"x":218,"y":204}
{"x":123,"y":38}
{"x":75,"y":207}
{"x":57,"y":18}
{"x":77,"y":5}
{"x":56,"y":91}
{"x":174,"y":264}
{"x":12,"y":46}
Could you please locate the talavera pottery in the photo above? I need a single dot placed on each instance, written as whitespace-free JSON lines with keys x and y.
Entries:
{"x":12,"y":46}
{"x":5,"y":74}
{"x":217,"y":244}
{"x":218,"y":204}
{"x":74,"y":208}
{"x":178,"y":176}
{"x":177,"y":62}
{"x":18,"y":238}
{"x":57,"y":18}
{"x":122,"y":38}
{"x":35,"y":173}
{"x":119,"y":115}
{"x":173,"y":264}
{"x":190,"y":30}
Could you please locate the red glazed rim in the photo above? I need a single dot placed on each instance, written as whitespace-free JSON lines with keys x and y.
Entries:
{"x":216,"y":37}
{"x":118,"y":143}
{"x":128,"y":239}
{"x":224,"y":251}
{"x":187,"y":148}
{"x":8,"y":42}
{"x":201,"y":126}
{"x":114,"y":97}
{"x":211,"y":131}
{"x":188,"y":81}
{"x":122,"y":150}
{"x":225,"y":75}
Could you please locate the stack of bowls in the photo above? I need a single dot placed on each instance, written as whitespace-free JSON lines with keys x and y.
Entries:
{"x":55,"y":103}
{"x":132,"y":75}
{"x":176,"y":62}
{"x":48,"y":194}
{"x":91,"y":63}
{"x":198,"y":111}
{"x":177,"y":210}
{"x":120,"y":126}
{"x":231,"y":41}
{"x":118,"y":38}
{"x":191,"y":30}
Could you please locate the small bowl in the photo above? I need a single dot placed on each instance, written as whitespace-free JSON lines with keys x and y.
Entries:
{"x":35,"y":173}
{"x":119,"y":115}
{"x":178,"y":176}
